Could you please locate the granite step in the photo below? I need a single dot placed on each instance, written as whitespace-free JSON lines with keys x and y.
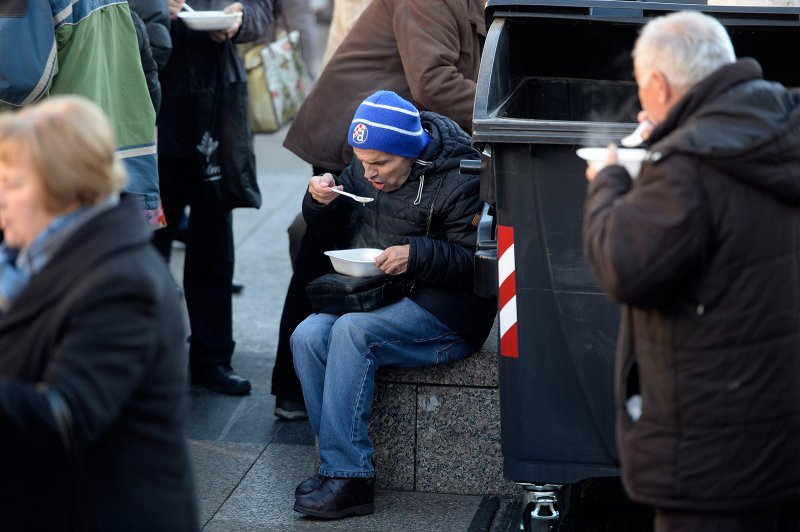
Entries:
{"x":437,"y":429}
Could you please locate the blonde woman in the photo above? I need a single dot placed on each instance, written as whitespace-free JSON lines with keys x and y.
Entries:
{"x":92,"y":363}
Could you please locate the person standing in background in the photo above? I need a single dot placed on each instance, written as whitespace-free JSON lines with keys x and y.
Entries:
{"x":87,"y":48}
{"x":345,"y":14}
{"x":297,"y":15}
{"x":427,"y":52}
{"x":194,"y":71}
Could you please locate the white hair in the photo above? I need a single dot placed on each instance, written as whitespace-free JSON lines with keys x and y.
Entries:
{"x":685,"y":46}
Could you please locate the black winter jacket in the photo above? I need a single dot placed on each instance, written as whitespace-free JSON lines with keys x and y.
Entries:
{"x":704,"y":250}
{"x":441,"y":263}
{"x":148,"y":63}
{"x":155,"y":15}
{"x":196,"y":57}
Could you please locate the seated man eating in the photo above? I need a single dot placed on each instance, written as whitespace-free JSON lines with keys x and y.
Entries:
{"x":422,"y":217}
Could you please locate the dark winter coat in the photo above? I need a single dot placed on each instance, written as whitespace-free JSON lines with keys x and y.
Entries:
{"x":195,"y":55}
{"x":704,"y":250}
{"x":155,"y":15}
{"x":427,"y":52}
{"x":441,"y":263}
{"x":148,"y":63}
{"x":101,"y":324}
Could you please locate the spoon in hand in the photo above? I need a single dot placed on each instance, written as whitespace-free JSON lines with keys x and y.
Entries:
{"x":361,"y":199}
{"x":187,"y":7}
{"x":636,"y":138}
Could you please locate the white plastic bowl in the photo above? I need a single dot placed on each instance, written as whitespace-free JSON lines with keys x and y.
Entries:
{"x":209,"y":20}
{"x":630,"y":158}
{"x":358,"y":262}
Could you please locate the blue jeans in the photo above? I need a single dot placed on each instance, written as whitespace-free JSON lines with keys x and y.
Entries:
{"x":336,"y":357}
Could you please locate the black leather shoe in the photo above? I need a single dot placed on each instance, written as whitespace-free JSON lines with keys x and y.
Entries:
{"x":338,"y":497}
{"x":308,"y":485}
{"x":289,"y":410}
{"x":221,"y":379}
{"x":236,"y":287}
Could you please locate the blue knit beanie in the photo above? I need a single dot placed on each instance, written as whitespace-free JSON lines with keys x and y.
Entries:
{"x":388,"y":123}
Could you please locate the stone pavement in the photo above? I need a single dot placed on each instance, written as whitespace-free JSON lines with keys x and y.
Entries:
{"x":247,"y":462}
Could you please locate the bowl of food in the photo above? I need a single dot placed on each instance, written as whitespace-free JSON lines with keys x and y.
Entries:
{"x":630,"y":158}
{"x":357,"y":262}
{"x":209,"y":20}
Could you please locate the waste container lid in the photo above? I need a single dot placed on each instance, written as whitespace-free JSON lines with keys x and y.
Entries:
{"x":610,"y":23}
{"x":745,"y":15}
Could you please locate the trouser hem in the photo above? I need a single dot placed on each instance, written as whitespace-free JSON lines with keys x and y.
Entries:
{"x":346,"y":474}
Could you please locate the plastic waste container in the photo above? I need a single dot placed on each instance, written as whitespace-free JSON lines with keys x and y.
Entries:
{"x":556,"y":76}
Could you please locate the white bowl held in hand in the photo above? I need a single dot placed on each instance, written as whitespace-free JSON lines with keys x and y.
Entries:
{"x":630,"y":158}
{"x":209,"y":20}
{"x":357,"y":262}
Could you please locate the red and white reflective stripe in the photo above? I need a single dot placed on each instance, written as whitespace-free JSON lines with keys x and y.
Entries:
{"x":509,"y":341}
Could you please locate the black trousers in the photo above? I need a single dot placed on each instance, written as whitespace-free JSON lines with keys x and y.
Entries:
{"x":309,"y":264}
{"x":208,"y":265}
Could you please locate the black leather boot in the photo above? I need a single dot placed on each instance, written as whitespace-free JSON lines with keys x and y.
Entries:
{"x":308,"y":485}
{"x":221,"y":379}
{"x":338,"y":497}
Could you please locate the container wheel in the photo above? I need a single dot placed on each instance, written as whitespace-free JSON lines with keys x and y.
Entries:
{"x":568,"y":495}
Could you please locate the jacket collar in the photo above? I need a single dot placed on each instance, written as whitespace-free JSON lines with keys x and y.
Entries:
{"x":706,"y":90}
{"x":110,"y":231}
{"x":743,"y":126}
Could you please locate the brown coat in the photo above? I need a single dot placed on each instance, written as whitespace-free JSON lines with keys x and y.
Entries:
{"x":704,"y":249}
{"x":427,"y":52}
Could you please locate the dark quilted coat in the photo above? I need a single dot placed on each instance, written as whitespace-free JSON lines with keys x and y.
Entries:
{"x":442,"y":263}
{"x":704,"y":250}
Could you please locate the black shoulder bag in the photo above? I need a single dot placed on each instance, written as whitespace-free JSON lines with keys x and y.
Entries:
{"x":223,"y":140}
{"x":336,"y":293}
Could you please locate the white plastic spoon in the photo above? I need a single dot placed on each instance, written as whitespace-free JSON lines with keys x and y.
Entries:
{"x":188,"y":8}
{"x":361,"y":199}
{"x":635,"y":138}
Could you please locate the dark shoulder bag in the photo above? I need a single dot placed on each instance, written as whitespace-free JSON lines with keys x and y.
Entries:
{"x":223,"y":140}
{"x":336,"y":293}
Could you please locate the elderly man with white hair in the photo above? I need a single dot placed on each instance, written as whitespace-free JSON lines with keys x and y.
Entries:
{"x":703,"y":250}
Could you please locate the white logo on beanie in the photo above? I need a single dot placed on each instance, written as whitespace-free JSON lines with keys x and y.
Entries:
{"x":394,"y":126}
{"x":360,"y":133}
